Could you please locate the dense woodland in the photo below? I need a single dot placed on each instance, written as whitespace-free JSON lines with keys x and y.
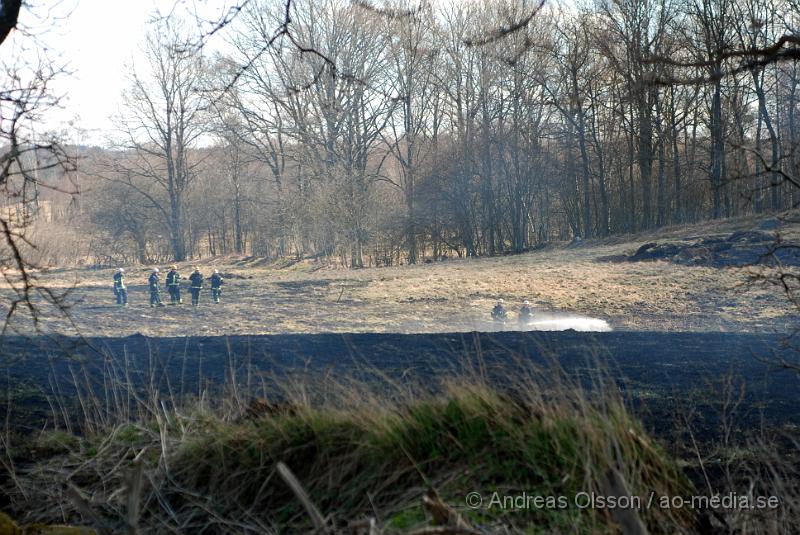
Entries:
{"x":383,"y":136}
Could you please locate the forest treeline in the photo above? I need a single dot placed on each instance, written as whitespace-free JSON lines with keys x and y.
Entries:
{"x":378,"y":137}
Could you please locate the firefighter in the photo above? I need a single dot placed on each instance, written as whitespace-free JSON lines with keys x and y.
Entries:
{"x":196,"y":280}
{"x":155,"y":289}
{"x":216,"y":285}
{"x":499,"y":311}
{"x":525,"y":312}
{"x":120,"y":291}
{"x":174,"y":286}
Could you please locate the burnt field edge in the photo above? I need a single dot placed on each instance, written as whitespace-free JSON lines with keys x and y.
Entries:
{"x":659,"y":371}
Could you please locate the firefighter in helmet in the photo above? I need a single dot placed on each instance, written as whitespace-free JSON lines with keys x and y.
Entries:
{"x":120,"y":292}
{"x":499,"y":311}
{"x":174,"y":286}
{"x":196,"y":284}
{"x":155,"y":289}
{"x":216,"y":286}
{"x":525,"y":313}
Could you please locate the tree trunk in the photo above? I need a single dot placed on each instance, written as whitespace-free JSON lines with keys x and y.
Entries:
{"x":794,"y":160}
{"x":774,"y":164}
{"x":141,"y":248}
{"x":646,"y":158}
{"x":661,"y":191}
{"x":176,"y":230}
{"x":601,"y":174}
{"x":631,"y":183}
{"x":676,"y":162}
{"x":238,"y":241}
{"x":717,"y":147}
{"x":587,"y":214}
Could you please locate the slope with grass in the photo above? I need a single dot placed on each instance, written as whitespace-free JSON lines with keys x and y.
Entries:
{"x":164,"y":434}
{"x":453,"y":295}
{"x":362,"y":454}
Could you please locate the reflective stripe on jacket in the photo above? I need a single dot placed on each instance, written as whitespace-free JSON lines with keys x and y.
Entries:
{"x":197,"y":280}
{"x":119,"y":282}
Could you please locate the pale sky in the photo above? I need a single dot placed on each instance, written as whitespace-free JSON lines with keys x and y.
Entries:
{"x":97,"y":40}
{"x":94,"y":39}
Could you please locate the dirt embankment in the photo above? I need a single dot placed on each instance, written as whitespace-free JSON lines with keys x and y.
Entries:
{"x":742,"y":248}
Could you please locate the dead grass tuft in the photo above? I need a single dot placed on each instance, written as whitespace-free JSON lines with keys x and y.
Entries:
{"x":357,"y":450}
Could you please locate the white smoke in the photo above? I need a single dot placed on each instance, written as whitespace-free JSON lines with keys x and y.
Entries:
{"x":565,"y":323}
{"x":541,"y":321}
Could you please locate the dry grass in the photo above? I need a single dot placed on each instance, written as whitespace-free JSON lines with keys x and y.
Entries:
{"x":339,"y":456}
{"x":302,"y":297}
{"x":358,"y":450}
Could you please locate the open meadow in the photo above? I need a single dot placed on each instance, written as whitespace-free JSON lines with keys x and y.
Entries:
{"x":561,"y":281}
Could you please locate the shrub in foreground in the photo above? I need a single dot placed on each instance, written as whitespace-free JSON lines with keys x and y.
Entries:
{"x":360,"y":455}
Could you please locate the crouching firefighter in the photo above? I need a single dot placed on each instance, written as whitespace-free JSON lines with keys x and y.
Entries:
{"x":174,"y":286}
{"x":155,"y":289}
{"x":499,"y":313}
{"x":216,"y":285}
{"x":525,"y":313}
{"x":120,"y":292}
{"x":196,"y":280}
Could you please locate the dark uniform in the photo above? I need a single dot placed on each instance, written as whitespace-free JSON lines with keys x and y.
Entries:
{"x":174,"y":287}
{"x":525,"y":314}
{"x":499,"y":313}
{"x":155,"y":290}
{"x":196,"y":280}
{"x":119,"y":289}
{"x":216,"y":286}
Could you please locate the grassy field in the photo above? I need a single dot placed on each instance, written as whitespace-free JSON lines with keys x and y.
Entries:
{"x":407,"y":456}
{"x":454,"y":295}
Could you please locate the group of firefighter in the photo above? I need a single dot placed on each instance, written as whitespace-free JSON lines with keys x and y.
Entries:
{"x":524,"y":316}
{"x":173,"y":284}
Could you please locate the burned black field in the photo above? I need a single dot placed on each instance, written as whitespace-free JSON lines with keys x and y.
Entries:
{"x":665,"y":376}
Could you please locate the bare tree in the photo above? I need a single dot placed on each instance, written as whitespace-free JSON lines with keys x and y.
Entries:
{"x":28,"y":155}
{"x":164,"y":115}
{"x":367,"y":133}
{"x":412,"y":55}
